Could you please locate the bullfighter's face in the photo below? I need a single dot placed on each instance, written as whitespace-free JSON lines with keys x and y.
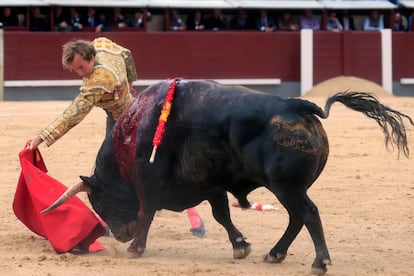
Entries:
{"x":82,"y":67}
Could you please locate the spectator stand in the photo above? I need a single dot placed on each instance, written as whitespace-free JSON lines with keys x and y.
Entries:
{"x":159,"y":9}
{"x":408,"y":6}
{"x":22,"y":9}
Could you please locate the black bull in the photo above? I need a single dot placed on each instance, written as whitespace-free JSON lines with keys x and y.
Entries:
{"x":221,"y":139}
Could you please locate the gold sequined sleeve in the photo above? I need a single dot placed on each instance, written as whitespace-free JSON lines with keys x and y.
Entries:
{"x":71,"y":116}
{"x":130,"y":65}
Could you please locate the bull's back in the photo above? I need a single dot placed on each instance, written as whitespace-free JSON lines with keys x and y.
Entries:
{"x":208,"y":101}
{"x":211,"y":126}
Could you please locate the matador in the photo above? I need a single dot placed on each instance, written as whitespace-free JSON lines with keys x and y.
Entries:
{"x":107,"y":85}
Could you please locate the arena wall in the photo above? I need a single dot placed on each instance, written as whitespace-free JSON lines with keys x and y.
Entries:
{"x":216,"y":55}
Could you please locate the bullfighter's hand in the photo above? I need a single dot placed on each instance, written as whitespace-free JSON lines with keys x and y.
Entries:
{"x":33,"y":143}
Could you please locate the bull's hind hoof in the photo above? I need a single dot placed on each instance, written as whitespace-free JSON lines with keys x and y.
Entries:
{"x":320,"y":270}
{"x":241,"y":253}
{"x":275,"y":259}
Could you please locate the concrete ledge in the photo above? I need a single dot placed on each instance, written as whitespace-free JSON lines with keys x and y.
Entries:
{"x":148,"y":82}
{"x":407,"y":81}
{"x":42,"y":83}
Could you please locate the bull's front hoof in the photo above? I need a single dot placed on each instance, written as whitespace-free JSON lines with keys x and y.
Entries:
{"x":135,"y":252}
{"x":321,"y":268}
{"x":132,"y":255}
{"x":274,"y":259}
{"x":241,"y":253}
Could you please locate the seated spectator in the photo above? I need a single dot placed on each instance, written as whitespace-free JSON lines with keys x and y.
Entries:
{"x":9,"y":17}
{"x":400,"y":22}
{"x":195,"y":22}
{"x":217,"y":21}
{"x":176,"y":22}
{"x":75,"y":20}
{"x":60,"y":21}
{"x":288,"y":23}
{"x":309,"y":21}
{"x":241,"y":21}
{"x":347,"y":21}
{"x":265,"y":23}
{"x":374,"y":21}
{"x":138,"y":19}
{"x":92,"y":20}
{"x":118,"y":18}
{"x":38,"y":22}
{"x":332,"y":23}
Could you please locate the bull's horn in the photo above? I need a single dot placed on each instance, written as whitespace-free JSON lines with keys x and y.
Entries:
{"x":80,"y":187}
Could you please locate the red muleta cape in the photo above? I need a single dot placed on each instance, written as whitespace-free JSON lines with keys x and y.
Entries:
{"x":69,"y":226}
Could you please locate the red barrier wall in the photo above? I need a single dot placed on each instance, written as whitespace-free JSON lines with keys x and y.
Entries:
{"x":354,"y":53}
{"x":32,"y":56}
{"x":403,"y":55}
{"x":37,"y":56}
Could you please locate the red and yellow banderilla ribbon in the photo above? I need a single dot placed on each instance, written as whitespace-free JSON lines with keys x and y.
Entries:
{"x":165,"y":112}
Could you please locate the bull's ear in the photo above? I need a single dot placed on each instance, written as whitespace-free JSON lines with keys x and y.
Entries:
{"x":86,"y":180}
{"x":90,"y":182}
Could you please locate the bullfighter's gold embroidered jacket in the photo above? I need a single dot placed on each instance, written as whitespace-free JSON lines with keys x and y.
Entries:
{"x":106,"y":87}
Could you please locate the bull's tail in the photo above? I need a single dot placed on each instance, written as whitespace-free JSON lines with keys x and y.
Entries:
{"x":390,"y":120}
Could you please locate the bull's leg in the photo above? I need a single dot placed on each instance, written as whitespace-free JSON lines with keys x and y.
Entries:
{"x":221,"y":212}
{"x":139,"y":243}
{"x":302,"y":211}
{"x":279,"y":251}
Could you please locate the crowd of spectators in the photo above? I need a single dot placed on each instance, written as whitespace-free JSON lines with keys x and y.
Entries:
{"x":71,"y":19}
{"x":261,"y":20}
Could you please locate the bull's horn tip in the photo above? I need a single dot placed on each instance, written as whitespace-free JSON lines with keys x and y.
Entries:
{"x":45,"y":211}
